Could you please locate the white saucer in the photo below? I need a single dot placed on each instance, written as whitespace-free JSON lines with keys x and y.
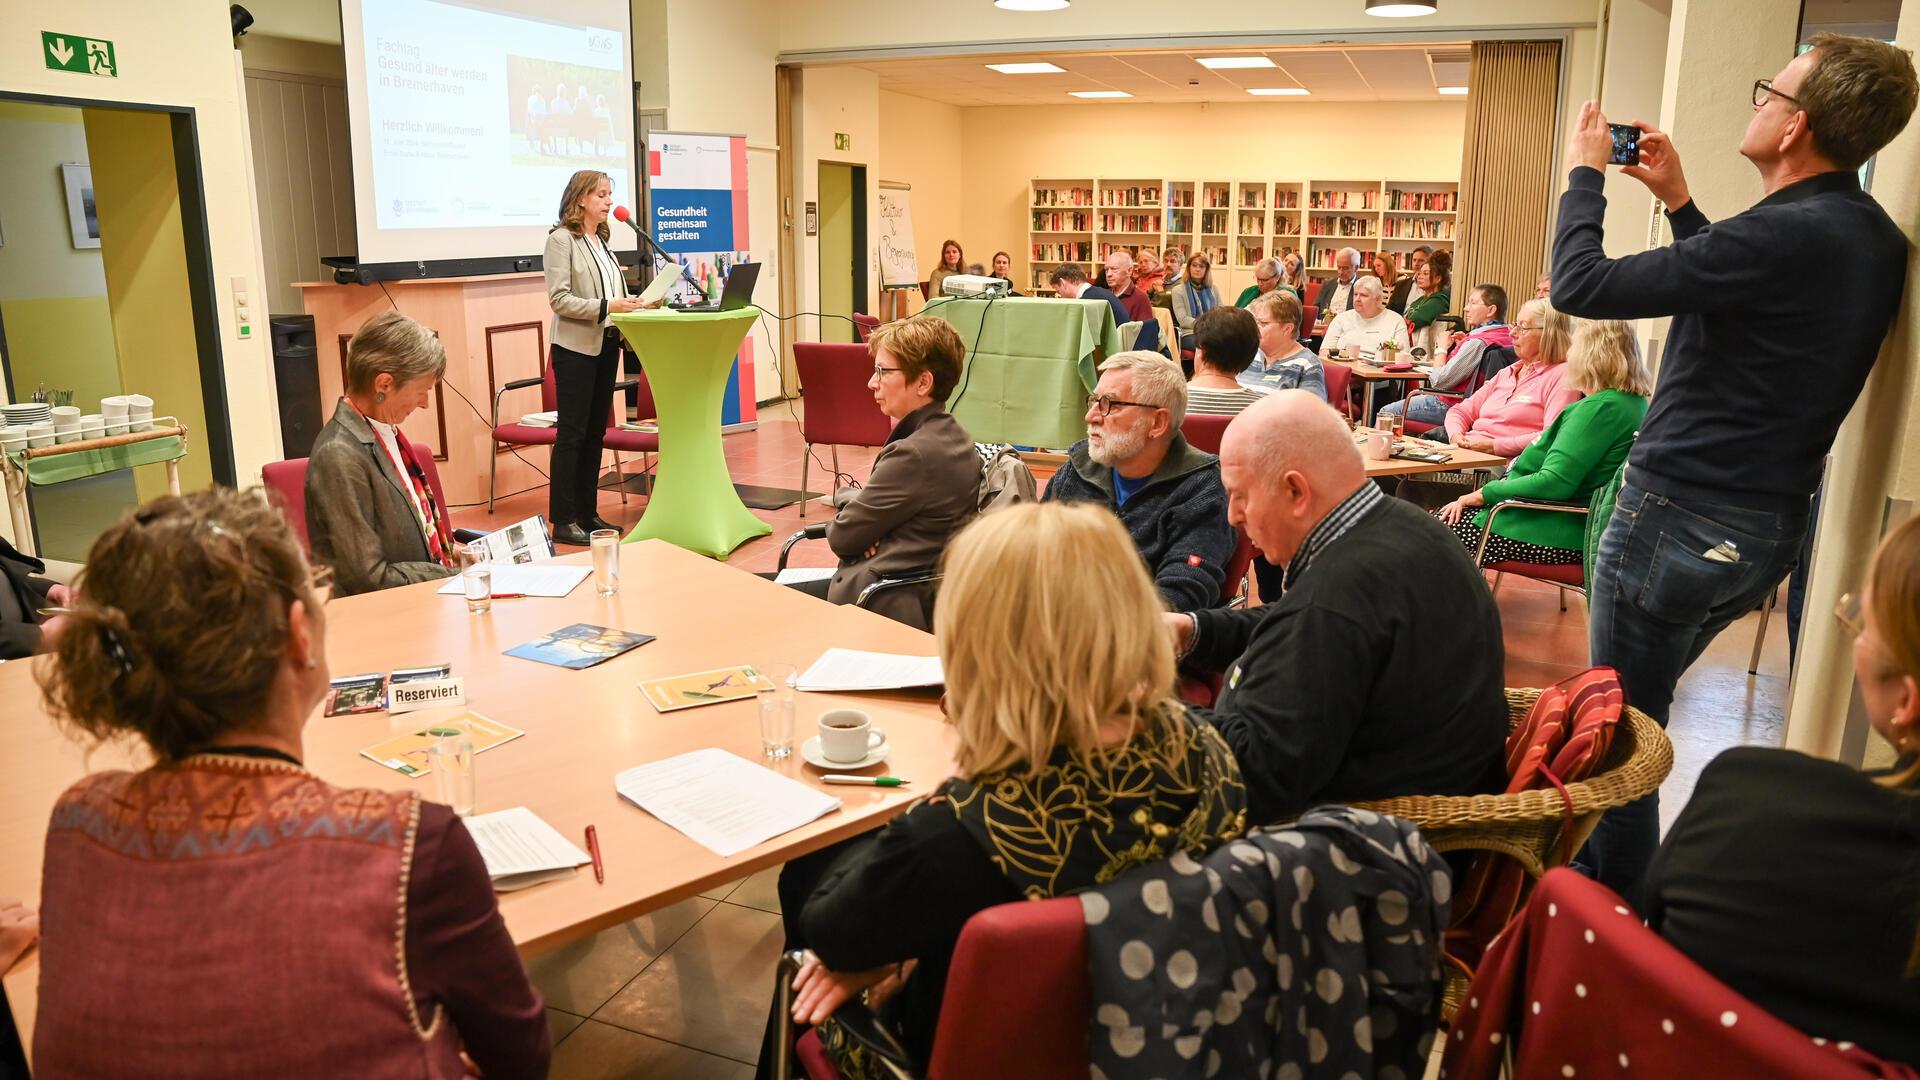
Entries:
{"x":811,"y":751}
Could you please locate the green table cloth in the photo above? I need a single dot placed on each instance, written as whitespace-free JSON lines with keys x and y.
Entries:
{"x":687,"y":357}
{"x":60,"y":468}
{"x":1030,"y":368}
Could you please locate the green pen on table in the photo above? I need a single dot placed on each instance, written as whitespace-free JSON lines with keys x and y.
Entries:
{"x":870,"y":781}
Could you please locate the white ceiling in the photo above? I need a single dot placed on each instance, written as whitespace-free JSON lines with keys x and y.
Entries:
{"x":1348,"y":73}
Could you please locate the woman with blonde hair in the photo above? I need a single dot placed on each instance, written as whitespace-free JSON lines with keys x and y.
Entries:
{"x":196,"y":913}
{"x":1510,"y":410}
{"x":1090,"y":749}
{"x":1795,"y":880}
{"x":1577,"y":455}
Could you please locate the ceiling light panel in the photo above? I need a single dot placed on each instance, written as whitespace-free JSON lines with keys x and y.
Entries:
{"x":1035,"y":68}
{"x":1099,"y":93}
{"x":1278,"y":91}
{"x":1228,"y":63}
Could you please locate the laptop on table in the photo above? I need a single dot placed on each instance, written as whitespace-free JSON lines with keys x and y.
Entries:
{"x":737,"y":294}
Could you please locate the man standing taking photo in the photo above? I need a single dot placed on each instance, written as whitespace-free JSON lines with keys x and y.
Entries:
{"x":1713,"y":509}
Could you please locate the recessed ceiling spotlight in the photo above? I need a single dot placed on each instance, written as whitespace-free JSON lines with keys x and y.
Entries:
{"x":1031,"y":5}
{"x":1041,"y":68}
{"x":1402,"y":9}
{"x":1454,"y":91}
{"x":1218,"y":63}
{"x":1098,"y":93}
{"x":1278,"y":91}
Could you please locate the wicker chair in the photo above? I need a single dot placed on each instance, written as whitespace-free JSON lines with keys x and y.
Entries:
{"x":1529,"y":826}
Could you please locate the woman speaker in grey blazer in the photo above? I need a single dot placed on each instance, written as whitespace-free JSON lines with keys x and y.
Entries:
{"x":585,"y":287}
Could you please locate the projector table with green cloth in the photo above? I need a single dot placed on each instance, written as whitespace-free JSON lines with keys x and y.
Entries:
{"x":1030,"y":366}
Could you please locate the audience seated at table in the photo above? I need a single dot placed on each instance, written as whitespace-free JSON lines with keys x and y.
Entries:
{"x":1515,"y":406}
{"x":1366,"y":325}
{"x":1577,"y":455}
{"x":1194,"y":296}
{"x":1135,"y":462}
{"x":371,"y":515}
{"x":1486,"y":315}
{"x":1378,"y":671}
{"x":1794,"y":879}
{"x":1225,"y":340}
{"x":1003,"y":269}
{"x":1267,"y":276}
{"x":1133,"y":300}
{"x":224,"y":912}
{"x":1282,"y":362}
{"x":952,"y":261}
{"x":925,"y":482}
{"x":24,"y":591}
{"x":1070,"y":282}
{"x":1336,"y":295}
{"x":1074,"y":763}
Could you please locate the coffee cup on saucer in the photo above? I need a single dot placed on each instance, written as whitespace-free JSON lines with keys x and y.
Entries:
{"x":848,"y":735}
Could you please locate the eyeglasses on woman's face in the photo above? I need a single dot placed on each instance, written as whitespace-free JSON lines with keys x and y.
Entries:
{"x":1526,"y":327}
{"x":880,"y":370}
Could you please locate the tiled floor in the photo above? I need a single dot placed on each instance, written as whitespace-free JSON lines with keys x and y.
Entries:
{"x":683,"y":992}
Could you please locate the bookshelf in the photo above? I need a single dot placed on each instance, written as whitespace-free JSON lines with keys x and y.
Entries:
{"x":1235,"y":223}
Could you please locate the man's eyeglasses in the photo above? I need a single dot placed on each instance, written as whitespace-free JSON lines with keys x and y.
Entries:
{"x":880,"y":372}
{"x":1763,"y":87}
{"x":1107,"y":403}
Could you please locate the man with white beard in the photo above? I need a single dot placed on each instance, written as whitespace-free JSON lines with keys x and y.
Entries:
{"x":1135,"y":462}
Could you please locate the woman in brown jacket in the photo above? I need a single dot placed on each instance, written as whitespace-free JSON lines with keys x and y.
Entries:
{"x":925,"y":482}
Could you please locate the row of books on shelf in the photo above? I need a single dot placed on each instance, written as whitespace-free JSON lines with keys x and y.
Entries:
{"x":1063,"y":196}
{"x":1321,"y":256}
{"x":1179,"y":196}
{"x":1253,"y":198}
{"x":1252,"y":224}
{"x":1423,"y":200}
{"x":1345,"y":200}
{"x":1418,"y":229}
{"x":1343,"y":225}
{"x":1213,"y":221}
{"x":1078,"y":251}
{"x":1220,"y":195}
{"x":1130,"y":196}
{"x":1061,"y":221}
{"x":1130,"y":223}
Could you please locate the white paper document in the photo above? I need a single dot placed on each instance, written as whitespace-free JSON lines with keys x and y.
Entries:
{"x":521,"y":850}
{"x":723,"y":801}
{"x":851,"y":669}
{"x":663,"y":280}
{"x":527,"y":579}
{"x":795,"y":574}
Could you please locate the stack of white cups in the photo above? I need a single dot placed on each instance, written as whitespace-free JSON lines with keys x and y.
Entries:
{"x":66,"y":423}
{"x":114,"y":411}
{"x":139,"y":412}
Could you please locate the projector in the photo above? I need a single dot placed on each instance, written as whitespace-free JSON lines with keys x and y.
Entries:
{"x":973,"y":285}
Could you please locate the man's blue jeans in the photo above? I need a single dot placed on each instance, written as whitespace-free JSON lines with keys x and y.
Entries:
{"x":1658,"y":598}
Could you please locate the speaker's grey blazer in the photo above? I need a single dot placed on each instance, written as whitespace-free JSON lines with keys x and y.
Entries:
{"x":578,"y":292}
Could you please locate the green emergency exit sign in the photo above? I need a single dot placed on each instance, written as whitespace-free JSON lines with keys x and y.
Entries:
{"x":81,"y":55}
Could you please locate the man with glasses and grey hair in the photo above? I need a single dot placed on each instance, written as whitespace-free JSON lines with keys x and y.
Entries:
{"x":1714,"y":507}
{"x":1135,"y":462}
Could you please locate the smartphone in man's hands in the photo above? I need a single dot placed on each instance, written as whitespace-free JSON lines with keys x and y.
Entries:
{"x":1626,"y":145}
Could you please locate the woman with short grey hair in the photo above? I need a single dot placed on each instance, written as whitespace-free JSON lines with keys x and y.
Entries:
{"x":371,"y":513}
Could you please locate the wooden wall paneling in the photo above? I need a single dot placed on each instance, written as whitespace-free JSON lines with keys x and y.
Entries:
{"x":302,"y":175}
{"x":1506,"y":173}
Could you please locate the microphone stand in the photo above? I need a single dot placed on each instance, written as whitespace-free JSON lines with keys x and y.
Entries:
{"x":655,"y":245}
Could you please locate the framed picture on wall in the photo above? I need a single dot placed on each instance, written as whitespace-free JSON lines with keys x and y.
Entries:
{"x":82,"y":218}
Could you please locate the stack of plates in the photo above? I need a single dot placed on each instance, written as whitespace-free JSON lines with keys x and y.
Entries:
{"x":23,"y":413}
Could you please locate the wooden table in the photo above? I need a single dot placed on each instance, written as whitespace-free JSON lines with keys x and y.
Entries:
{"x":1369,"y":373}
{"x":582,"y":727}
{"x":1457,"y":458}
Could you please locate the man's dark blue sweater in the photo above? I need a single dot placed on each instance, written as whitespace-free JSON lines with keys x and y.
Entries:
{"x":1756,"y":377}
{"x":1178,"y":519}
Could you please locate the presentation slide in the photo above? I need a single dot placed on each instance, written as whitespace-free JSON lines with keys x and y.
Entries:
{"x":467,"y":119}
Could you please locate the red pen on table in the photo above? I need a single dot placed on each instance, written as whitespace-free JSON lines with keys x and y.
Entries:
{"x":509,"y":596}
{"x":593,"y":848}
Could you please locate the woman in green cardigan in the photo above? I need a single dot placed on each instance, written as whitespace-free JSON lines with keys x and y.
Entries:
{"x":1577,"y":454}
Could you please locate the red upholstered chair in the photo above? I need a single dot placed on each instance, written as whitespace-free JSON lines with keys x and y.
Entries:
{"x":864,"y":325}
{"x":1570,"y":576}
{"x":1205,"y":432}
{"x":1311,"y":297}
{"x":839,"y":407}
{"x":287,"y":480}
{"x":1578,"y":986}
{"x":517,"y":434}
{"x":1340,"y":389}
{"x":1204,"y":689}
{"x":1017,"y":1001}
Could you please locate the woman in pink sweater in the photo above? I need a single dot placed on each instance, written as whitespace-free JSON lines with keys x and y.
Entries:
{"x":1516,"y":405}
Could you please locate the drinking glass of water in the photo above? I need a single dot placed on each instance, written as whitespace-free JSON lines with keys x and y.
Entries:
{"x":776,"y":709}
{"x":606,"y":560}
{"x":451,"y":760}
{"x":476,"y":574}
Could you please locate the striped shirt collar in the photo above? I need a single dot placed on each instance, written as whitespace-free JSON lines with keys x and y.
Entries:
{"x":1332,"y":527}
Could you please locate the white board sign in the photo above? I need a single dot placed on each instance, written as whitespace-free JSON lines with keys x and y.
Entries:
{"x":899,"y":263}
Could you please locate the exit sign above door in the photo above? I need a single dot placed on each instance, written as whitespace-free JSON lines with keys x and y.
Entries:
{"x":80,"y":55}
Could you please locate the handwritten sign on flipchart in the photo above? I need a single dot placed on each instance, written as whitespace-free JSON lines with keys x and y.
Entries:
{"x":899,"y":263}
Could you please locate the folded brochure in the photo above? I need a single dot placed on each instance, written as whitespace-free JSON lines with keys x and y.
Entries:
{"x":704,"y":688}
{"x":350,"y":694}
{"x":407,"y":754}
{"x":581,"y":645}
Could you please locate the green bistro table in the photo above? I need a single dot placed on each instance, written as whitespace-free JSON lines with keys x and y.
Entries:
{"x":687,"y":357}
{"x":1028,"y":378}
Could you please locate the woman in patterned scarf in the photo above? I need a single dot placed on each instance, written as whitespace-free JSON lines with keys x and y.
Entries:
{"x":1076,"y":763}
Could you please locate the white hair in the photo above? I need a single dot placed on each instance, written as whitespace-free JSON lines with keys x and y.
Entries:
{"x":1157,"y":381}
{"x":1369,"y":283}
{"x":1348,"y":253}
{"x":1268,"y":267}
{"x":1126,"y":260}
